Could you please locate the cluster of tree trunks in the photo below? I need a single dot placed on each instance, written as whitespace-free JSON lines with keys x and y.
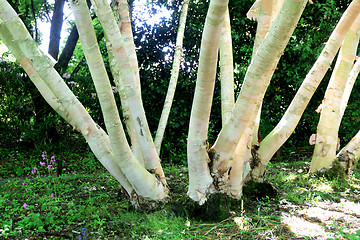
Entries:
{"x":237,"y":155}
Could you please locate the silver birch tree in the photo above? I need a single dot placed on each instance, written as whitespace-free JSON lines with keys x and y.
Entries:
{"x":330,"y":118}
{"x":277,"y":137}
{"x":258,"y":76}
{"x":138,"y":168}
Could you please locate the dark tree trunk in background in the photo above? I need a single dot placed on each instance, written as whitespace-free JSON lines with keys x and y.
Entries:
{"x":55,"y":30}
{"x":42,"y":109}
{"x":35,"y":21}
{"x":69,"y":48}
{"x":68,"y":51}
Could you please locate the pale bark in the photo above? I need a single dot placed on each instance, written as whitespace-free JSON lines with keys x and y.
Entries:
{"x":264,"y":19}
{"x":226,"y":70}
{"x":349,"y":86}
{"x":133,"y":95}
{"x":350,"y":154}
{"x":173,"y":79}
{"x":121,"y":8}
{"x":287,"y":124}
{"x":127,"y":118}
{"x":40,"y":68}
{"x":276,"y":8}
{"x":200,"y":181}
{"x":233,"y":182}
{"x":255,"y":84}
{"x":327,"y":131}
{"x":134,"y":172}
{"x":266,"y":11}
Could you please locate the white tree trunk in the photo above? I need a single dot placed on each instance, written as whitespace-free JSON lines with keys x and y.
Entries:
{"x":349,"y":86}
{"x":330,"y":118}
{"x":255,"y":84}
{"x":226,"y":70}
{"x":133,"y":95}
{"x":133,"y":171}
{"x":200,"y":181}
{"x":121,"y":9}
{"x":40,"y":69}
{"x":276,"y":138}
{"x":350,"y":154}
{"x":173,"y":79}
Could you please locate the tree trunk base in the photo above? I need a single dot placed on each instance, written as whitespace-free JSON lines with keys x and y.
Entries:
{"x":216,"y":208}
{"x":336,"y":171}
{"x":260,"y":190}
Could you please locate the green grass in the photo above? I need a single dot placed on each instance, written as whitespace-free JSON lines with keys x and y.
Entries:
{"x":85,"y":202}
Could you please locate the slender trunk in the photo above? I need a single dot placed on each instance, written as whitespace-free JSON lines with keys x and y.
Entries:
{"x":226,"y":70}
{"x":200,"y":181}
{"x":276,"y":138}
{"x":349,"y":86}
{"x":55,"y":29}
{"x":129,"y":77}
{"x":40,"y":68}
{"x":265,"y":13}
{"x":330,"y":118}
{"x":264,"y":19}
{"x":121,"y":8}
{"x":127,"y":118}
{"x":68,"y":51}
{"x":69,"y":48}
{"x":255,"y":84}
{"x":137,"y":176}
{"x":173,"y":79}
{"x":37,"y":40}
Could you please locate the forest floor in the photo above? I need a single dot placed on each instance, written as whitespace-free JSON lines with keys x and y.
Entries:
{"x":85,"y":203}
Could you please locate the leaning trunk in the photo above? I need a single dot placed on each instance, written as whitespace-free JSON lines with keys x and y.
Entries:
{"x":254,"y":87}
{"x":276,"y":138}
{"x":330,"y":118}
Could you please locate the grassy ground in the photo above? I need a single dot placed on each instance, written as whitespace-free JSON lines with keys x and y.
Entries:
{"x":85,"y":203}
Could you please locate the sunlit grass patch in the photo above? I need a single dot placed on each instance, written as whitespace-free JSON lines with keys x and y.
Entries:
{"x":90,"y":206}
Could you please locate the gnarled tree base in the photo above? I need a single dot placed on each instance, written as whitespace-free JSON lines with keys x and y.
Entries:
{"x":336,"y":171}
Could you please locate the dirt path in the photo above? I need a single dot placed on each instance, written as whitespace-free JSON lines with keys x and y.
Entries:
{"x":323,"y":220}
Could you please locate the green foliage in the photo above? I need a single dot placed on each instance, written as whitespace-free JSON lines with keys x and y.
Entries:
{"x":347,"y":235}
{"x":20,"y":164}
{"x":89,"y":205}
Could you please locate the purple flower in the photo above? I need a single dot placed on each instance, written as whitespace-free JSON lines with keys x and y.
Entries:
{"x":49,"y":167}
{"x":23,"y":183}
{"x":52,"y":159}
{"x":25,"y":205}
{"x":26,"y":189}
{"x":33,"y":171}
{"x":43,"y":155}
{"x":42,"y":163}
{"x":66,"y":75}
{"x":52,"y":195}
{"x":37,"y":176}
{"x":83,"y":232}
{"x":85,"y":189}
